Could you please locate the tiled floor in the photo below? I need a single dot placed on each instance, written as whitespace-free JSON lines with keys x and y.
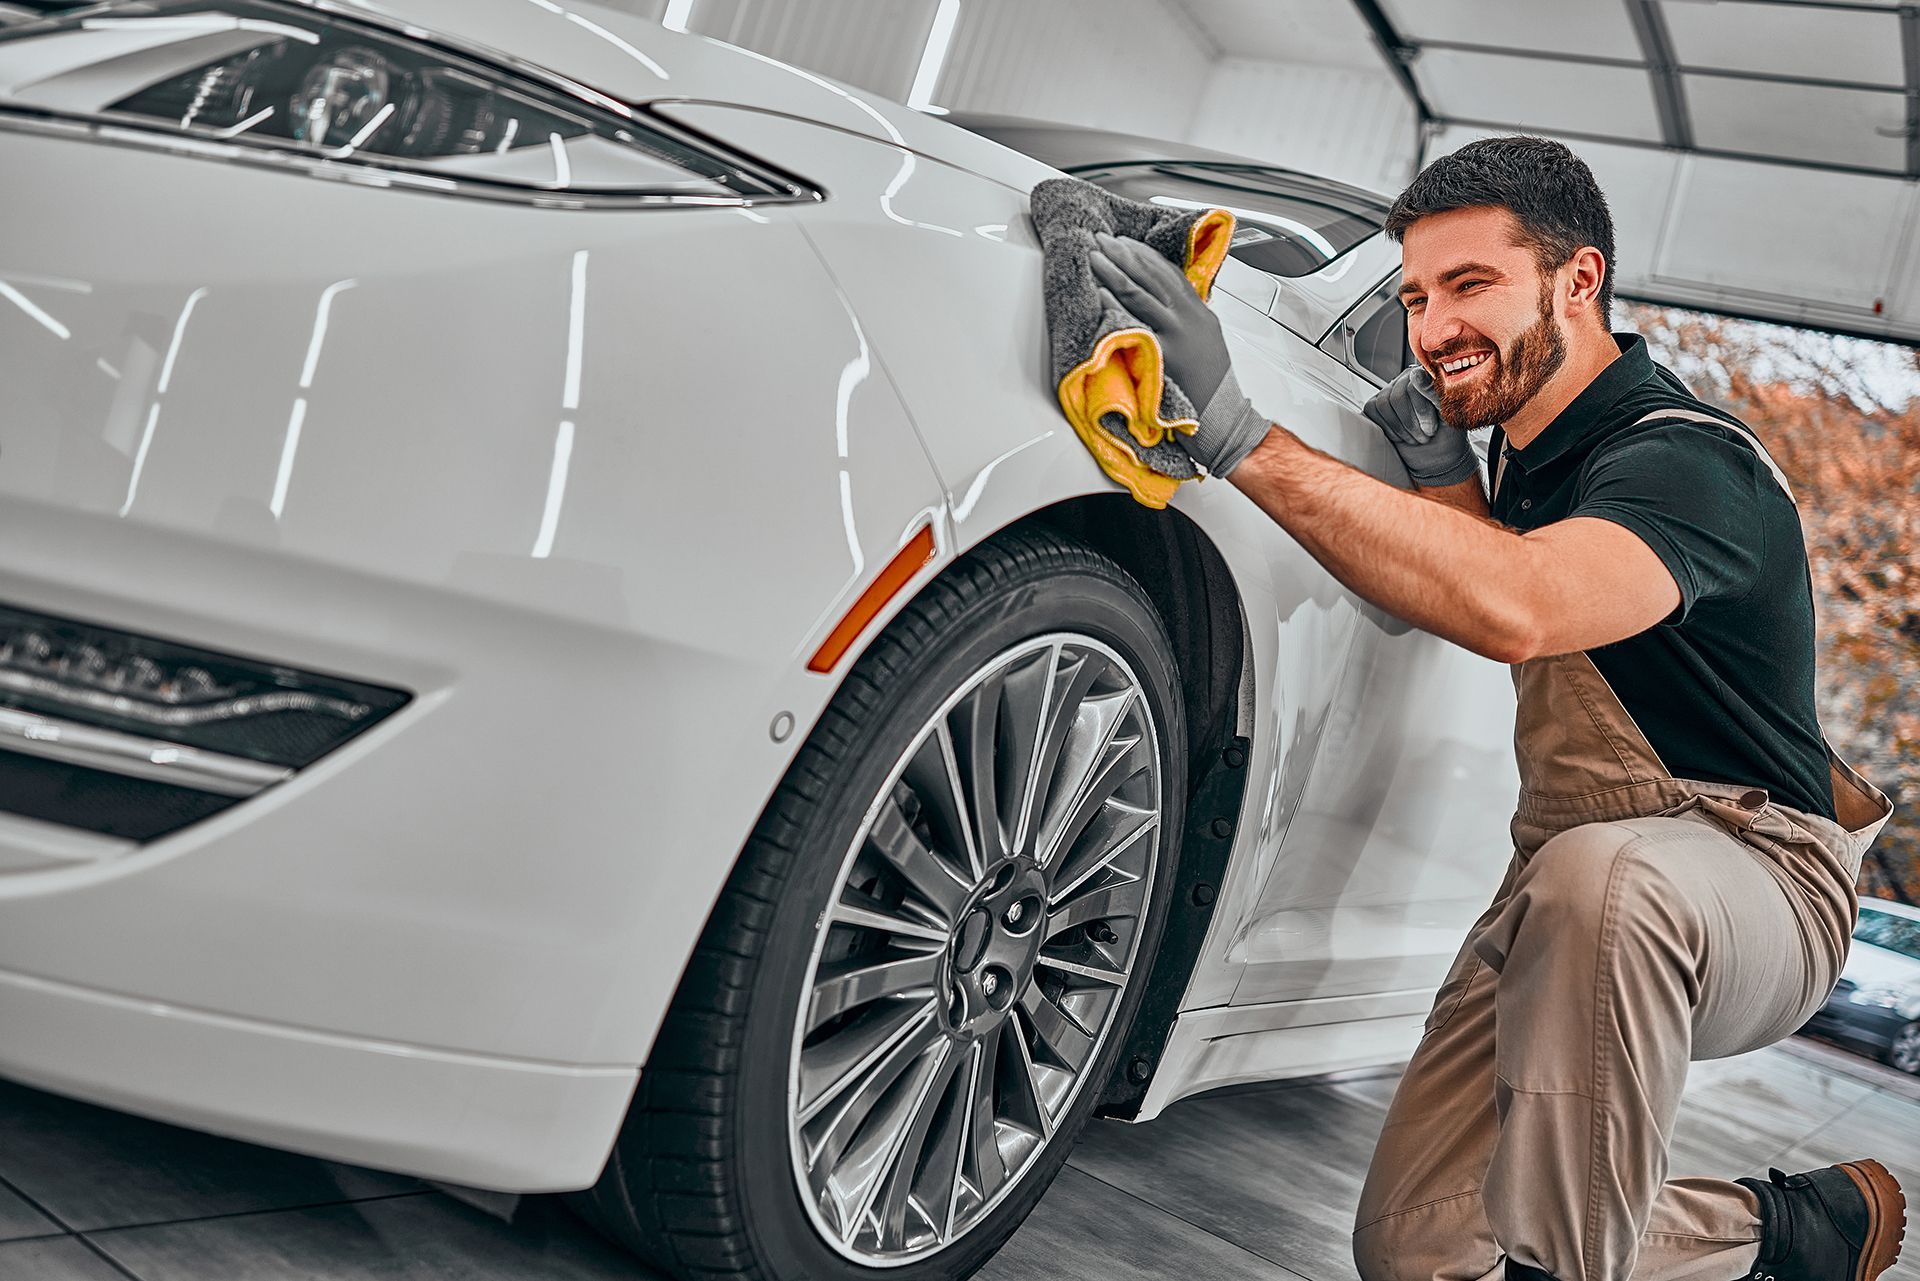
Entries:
{"x":1253,"y":1184}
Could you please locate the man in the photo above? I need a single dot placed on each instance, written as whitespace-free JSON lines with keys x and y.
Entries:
{"x":1685,"y":844}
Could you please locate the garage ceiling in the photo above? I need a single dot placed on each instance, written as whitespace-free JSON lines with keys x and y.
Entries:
{"x":1761,"y":156}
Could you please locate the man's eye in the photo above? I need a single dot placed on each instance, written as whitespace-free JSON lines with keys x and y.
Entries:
{"x":1470,"y":284}
{"x":1413,"y":304}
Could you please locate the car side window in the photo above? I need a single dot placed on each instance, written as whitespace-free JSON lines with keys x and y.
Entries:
{"x":1883,"y":929}
{"x":1372,"y":339}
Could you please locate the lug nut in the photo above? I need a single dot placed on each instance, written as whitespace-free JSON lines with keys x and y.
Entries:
{"x":1015,"y":912}
{"x":989,"y":984}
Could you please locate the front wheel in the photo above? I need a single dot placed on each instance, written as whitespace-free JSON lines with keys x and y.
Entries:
{"x":916,"y":983}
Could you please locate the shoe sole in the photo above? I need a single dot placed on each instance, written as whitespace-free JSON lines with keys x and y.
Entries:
{"x":1886,"y":1217}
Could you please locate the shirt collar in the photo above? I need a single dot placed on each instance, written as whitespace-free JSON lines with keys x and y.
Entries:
{"x":1589,"y":408}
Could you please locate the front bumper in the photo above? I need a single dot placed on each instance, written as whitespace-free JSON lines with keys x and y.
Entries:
{"x":463,"y":1118}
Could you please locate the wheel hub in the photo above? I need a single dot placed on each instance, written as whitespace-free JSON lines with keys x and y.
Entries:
{"x":992,"y":953}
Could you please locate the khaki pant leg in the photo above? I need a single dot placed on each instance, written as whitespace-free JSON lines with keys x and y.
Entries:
{"x":1420,"y":1217}
{"x":1625,"y":950}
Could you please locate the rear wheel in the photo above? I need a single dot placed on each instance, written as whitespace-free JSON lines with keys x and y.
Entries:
{"x":913,"y":989}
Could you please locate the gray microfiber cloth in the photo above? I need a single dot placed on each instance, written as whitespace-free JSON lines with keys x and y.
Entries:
{"x":1106,"y":363}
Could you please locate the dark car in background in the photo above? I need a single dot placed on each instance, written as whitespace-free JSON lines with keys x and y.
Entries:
{"x":1877,"y":1001}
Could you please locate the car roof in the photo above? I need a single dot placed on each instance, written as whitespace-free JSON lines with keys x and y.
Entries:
{"x":1069,"y":147}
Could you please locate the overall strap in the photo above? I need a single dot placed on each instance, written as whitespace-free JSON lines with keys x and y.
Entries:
{"x":1695,"y":416}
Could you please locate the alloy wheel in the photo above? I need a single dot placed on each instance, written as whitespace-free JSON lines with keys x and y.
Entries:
{"x":982,"y":933}
{"x":1905,"y":1052}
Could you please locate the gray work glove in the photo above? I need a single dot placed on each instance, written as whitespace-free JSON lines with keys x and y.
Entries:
{"x":1407,"y":410}
{"x":1144,"y":283}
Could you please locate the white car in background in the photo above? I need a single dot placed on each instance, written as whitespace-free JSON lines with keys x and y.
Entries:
{"x":553,"y":636}
{"x":1876,"y":1003}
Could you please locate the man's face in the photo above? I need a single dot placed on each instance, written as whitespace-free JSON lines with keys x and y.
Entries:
{"x":1481,"y":315}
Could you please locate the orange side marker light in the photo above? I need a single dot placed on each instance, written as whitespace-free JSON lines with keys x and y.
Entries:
{"x":899,"y":571}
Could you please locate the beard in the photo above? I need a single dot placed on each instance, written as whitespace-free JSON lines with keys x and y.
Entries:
{"x":1519,"y":372}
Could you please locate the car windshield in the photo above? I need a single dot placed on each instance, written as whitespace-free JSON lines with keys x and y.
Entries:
{"x":1287,"y":224}
{"x":1884,"y":929}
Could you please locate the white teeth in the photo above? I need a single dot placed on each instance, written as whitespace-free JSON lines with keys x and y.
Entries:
{"x":1465,"y":362}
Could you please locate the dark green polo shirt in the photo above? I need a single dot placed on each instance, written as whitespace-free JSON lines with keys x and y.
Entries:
{"x":1723,"y":687}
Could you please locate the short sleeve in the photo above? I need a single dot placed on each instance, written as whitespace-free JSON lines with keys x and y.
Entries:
{"x":1691,"y":494}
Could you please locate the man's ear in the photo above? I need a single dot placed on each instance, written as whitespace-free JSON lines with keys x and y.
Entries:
{"x":1584,"y":273}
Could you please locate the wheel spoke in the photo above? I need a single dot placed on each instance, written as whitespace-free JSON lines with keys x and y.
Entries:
{"x":1029,"y":1082}
{"x":1112,"y":833}
{"x":1073,"y":678}
{"x":983,"y":1143}
{"x":947,"y":1162}
{"x":1120,"y":758}
{"x":894,"y":839}
{"x":867,"y":918}
{"x":1029,"y":696}
{"x":854,"y":1052}
{"x":854,"y":983}
{"x":1098,"y":973}
{"x":853,"y":1112}
{"x":1055,"y":1029}
{"x":976,"y":723}
{"x":1119,"y":898}
{"x":861,"y":1173}
{"x":934,"y":774}
{"x":897,"y":1184}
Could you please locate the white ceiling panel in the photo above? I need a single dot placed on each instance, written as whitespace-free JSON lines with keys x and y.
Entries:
{"x":1795,"y":234}
{"x":1562,"y":26}
{"x":1324,"y":33}
{"x":1800,"y":122}
{"x":1784,"y":39}
{"x":1532,"y":93}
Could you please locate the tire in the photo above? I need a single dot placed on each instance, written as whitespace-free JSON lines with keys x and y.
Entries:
{"x":1904,"y":1051}
{"x":710,"y":1176}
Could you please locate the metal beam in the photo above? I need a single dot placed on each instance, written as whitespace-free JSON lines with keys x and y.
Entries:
{"x":1718,"y":153}
{"x":1910,"y":47}
{"x":1669,"y":94}
{"x":1636,"y":64}
{"x":1399,"y":55}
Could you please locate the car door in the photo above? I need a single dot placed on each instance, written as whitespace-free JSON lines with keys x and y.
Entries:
{"x":1400,"y":834}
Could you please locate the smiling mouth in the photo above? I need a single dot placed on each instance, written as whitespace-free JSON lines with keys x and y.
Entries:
{"x":1461,"y":364}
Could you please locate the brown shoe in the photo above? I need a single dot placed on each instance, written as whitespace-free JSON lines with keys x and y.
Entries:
{"x":1841,"y":1223}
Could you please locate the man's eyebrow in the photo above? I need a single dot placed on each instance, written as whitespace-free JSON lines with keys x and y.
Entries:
{"x":1454,"y":273}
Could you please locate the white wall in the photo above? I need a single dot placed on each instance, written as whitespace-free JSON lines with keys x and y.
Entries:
{"x":1356,"y":126}
{"x":1128,"y":65}
{"x":1136,"y":66}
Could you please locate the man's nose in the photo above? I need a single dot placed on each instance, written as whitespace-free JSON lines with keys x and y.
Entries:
{"x":1438,"y":328}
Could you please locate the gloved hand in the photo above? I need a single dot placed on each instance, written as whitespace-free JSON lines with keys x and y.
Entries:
{"x":1408,"y":411}
{"x":1143,"y":282}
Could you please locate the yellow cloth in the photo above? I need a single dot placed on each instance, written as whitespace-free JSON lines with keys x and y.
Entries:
{"x":1125,"y":373}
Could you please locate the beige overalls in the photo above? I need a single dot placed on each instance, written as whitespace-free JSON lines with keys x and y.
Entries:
{"x":1644,"y":921}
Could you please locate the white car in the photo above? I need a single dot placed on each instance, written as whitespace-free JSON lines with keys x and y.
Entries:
{"x":553,"y":636}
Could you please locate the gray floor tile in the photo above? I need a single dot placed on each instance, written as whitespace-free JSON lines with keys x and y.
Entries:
{"x":95,"y":1168}
{"x":424,"y":1237}
{"x":18,"y":1219}
{"x":1737,"y":1113}
{"x":1086,"y":1230}
{"x":53,"y":1259}
{"x":1276,"y":1172}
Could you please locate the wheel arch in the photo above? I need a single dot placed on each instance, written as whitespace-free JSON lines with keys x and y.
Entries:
{"x":1193,"y":590}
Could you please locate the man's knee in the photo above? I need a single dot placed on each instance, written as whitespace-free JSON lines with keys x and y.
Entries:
{"x":1419,"y":1245}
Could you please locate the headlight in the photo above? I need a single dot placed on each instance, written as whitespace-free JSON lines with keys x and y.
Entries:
{"x":283,"y":83}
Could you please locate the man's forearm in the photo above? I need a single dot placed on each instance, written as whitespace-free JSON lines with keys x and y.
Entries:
{"x":1425,"y":559}
{"x":1467,"y":496}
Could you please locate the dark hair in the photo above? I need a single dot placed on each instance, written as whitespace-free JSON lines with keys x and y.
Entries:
{"x":1549,"y":191}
